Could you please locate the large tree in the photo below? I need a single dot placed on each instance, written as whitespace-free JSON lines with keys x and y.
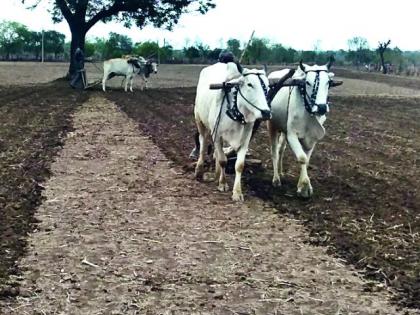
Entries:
{"x":383,"y":46}
{"x":81,"y":15}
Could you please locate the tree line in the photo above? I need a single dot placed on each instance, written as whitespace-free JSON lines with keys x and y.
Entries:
{"x":17,"y":42}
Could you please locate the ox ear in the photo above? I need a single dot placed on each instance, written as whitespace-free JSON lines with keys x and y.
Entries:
{"x":301,"y":65}
{"x":240,"y":68}
{"x":265,"y":69}
{"x":335,"y":83}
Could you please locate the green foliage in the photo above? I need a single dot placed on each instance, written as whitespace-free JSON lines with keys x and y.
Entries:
{"x":257,"y":51}
{"x":213,"y":55}
{"x":54,"y":42}
{"x":89,"y":49}
{"x":13,"y":37}
{"x":164,"y":13}
{"x":191,"y":53}
{"x":17,"y":40}
{"x":118,"y":45}
{"x":166,"y":53}
{"x":82,"y":15}
{"x":234,"y":46}
{"x":33,"y":45}
{"x":359,"y":52}
{"x":147,"y":49}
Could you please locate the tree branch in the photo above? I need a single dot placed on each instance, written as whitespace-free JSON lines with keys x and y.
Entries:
{"x":65,"y":10}
{"x":101,"y":15}
{"x":81,"y":8}
{"x":112,"y":10}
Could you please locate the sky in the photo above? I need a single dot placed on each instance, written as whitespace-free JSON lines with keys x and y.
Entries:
{"x":302,"y":25}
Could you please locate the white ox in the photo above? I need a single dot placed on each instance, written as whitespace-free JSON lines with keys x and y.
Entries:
{"x":246,"y":95}
{"x":293,"y":122}
{"x":128,"y":68}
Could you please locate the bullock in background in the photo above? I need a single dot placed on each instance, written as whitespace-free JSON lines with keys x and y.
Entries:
{"x":147,"y":68}
{"x":299,"y":113}
{"x":128,"y":67}
{"x":227,"y":112}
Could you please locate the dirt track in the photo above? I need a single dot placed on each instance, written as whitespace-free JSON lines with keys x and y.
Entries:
{"x":113,"y":242}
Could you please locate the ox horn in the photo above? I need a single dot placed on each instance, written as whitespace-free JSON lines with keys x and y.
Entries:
{"x":330,"y":62}
{"x":302,"y":67}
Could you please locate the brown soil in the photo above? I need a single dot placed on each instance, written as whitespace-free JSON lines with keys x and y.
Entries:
{"x":365,"y":209}
{"x":392,"y":80}
{"x":365,"y":174}
{"x":123,"y":231}
{"x":33,"y":122}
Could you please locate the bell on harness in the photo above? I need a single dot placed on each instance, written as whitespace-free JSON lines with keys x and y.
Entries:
{"x":320,"y":109}
{"x":235,"y":115}
{"x":232,"y":110}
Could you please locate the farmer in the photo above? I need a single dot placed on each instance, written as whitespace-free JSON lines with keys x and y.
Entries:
{"x":79,"y":78}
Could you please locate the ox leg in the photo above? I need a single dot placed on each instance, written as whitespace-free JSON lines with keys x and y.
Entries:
{"x":194,"y":152}
{"x":304,"y":188}
{"x":199,"y":168}
{"x":143,"y":78}
{"x":278,"y":145}
{"x":282,"y":142}
{"x":220,"y":166}
{"x":131,"y":84}
{"x":126,"y":84}
{"x":104,"y":83}
{"x":239,"y":168}
{"x":274,"y":144}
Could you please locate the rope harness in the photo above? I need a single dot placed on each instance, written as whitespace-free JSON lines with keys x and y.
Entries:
{"x":232,"y":110}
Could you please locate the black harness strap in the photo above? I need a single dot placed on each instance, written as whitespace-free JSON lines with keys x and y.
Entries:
{"x":226,"y":90}
{"x":233,"y":111}
{"x":277,"y":86}
{"x":310,"y":105}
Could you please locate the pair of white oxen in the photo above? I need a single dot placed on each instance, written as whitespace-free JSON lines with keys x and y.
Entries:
{"x":228,"y":114}
{"x":128,"y":67}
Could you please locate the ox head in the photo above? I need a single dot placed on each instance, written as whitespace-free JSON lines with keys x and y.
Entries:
{"x":149,"y":67}
{"x":250,"y":95}
{"x":315,"y":82}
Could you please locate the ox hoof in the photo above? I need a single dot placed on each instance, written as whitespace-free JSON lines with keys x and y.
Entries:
{"x":199,"y":172}
{"x":305,"y":192}
{"x":223,"y":187}
{"x":238,"y":197}
{"x":194,"y":154}
{"x":276,"y":182}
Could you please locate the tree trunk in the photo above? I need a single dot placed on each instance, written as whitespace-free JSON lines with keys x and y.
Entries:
{"x":78,"y":35}
{"x":381,"y":55}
